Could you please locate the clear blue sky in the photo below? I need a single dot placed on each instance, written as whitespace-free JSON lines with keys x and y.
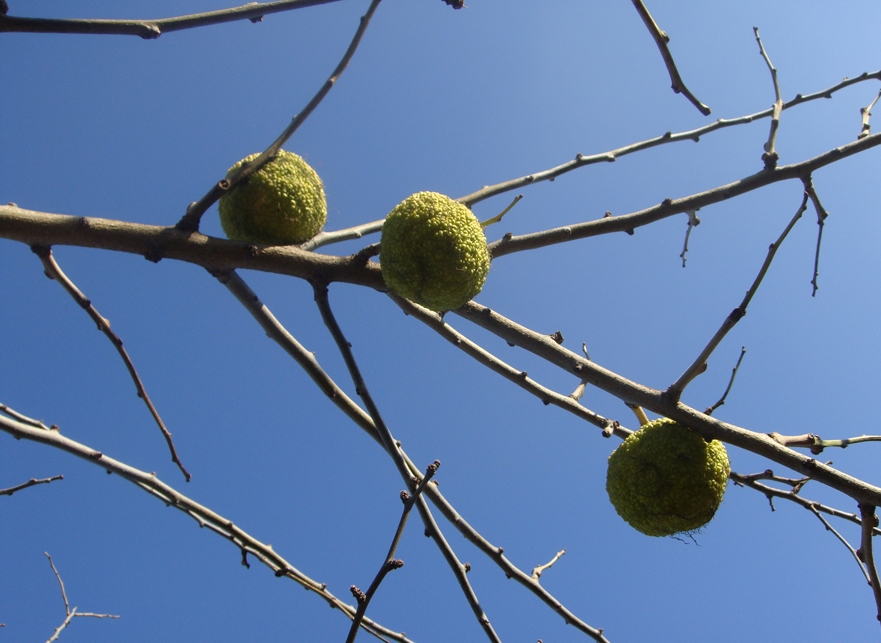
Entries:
{"x":449,"y":101}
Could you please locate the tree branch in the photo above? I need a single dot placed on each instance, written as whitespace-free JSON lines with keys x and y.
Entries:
{"x":204,"y":516}
{"x":54,"y":272}
{"x":661,"y":39}
{"x":190,"y":220}
{"x":152,"y":29}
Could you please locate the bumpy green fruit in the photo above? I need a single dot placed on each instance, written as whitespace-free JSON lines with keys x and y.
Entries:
{"x":282,"y":203}
{"x":433,"y":251}
{"x":665,"y":478}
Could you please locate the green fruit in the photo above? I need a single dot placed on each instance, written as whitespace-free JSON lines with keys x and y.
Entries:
{"x":665,"y":478}
{"x":282,"y":203}
{"x":433,"y":251}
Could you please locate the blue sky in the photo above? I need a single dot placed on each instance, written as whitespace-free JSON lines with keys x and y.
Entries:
{"x":448,"y":101}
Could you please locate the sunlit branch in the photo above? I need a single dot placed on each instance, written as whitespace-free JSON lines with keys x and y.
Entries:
{"x":661,"y":39}
{"x":865,"y":113}
{"x":816,"y":444}
{"x":390,"y":563}
{"x":190,"y":221}
{"x":770,"y":156}
{"x":150,"y":29}
{"x":307,"y":361}
{"x":671,"y":207}
{"x":30,"y":483}
{"x":654,"y":400}
{"x":724,"y":397}
{"x":393,"y":449}
{"x":700,"y":364}
{"x":204,"y":516}
{"x":356,"y":232}
{"x":866,"y":552}
{"x":538,"y":571}
{"x":54,"y":272}
{"x":69,"y":612}
{"x":669,"y":137}
{"x":520,"y":378}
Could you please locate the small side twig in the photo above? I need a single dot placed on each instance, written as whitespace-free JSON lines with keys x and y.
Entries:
{"x":693,"y":221}
{"x":865,"y":113}
{"x":538,"y":571}
{"x":30,"y":483}
{"x":771,"y":156}
{"x":674,"y":392}
{"x":54,"y":272}
{"x":822,"y":215}
{"x":816,"y":444}
{"x":866,"y":553}
{"x":390,"y":563}
{"x":190,"y":220}
{"x":69,"y":612}
{"x":661,"y":40}
{"x":734,"y":370}
{"x":843,"y":540}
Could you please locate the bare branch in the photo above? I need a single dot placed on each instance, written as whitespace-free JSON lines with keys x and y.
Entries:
{"x":816,"y":444}
{"x":69,"y":612}
{"x":693,"y":222}
{"x":657,"y":402}
{"x":190,"y":221}
{"x":393,"y":449}
{"x":734,"y":370}
{"x":865,"y":113}
{"x":307,"y":361}
{"x":700,"y":364}
{"x":843,"y":541}
{"x":390,"y":563}
{"x":538,"y":571}
{"x":54,"y":272}
{"x":822,"y":214}
{"x":866,"y":552}
{"x":661,"y":39}
{"x":669,"y":137}
{"x":770,"y":156}
{"x":204,"y":516}
{"x":30,"y":483}
{"x":151,"y":29}
{"x":772,"y":492}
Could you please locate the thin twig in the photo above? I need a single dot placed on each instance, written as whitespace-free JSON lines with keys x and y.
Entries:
{"x":793,"y":496}
{"x":843,"y":540}
{"x":190,"y":221}
{"x":204,"y":516}
{"x":700,"y":364}
{"x":151,"y":29}
{"x":771,"y":156}
{"x":734,"y":370}
{"x":30,"y":483}
{"x":669,"y":137}
{"x":393,"y":449}
{"x":581,"y":160}
{"x":866,"y":552}
{"x":693,"y":222}
{"x":521,"y":378}
{"x":538,"y":571}
{"x":816,"y":444}
{"x":822,"y":215}
{"x":661,"y":39}
{"x":69,"y":612}
{"x":390,"y":563}
{"x":307,"y":361}
{"x":865,"y":113}
{"x":54,"y":272}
